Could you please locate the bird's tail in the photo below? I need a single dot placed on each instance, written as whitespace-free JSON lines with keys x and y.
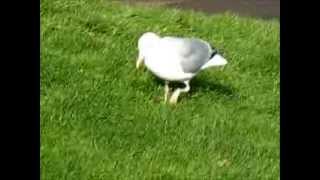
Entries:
{"x":216,"y":60}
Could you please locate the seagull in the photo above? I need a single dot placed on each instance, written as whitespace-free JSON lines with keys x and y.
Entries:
{"x":176,"y":59}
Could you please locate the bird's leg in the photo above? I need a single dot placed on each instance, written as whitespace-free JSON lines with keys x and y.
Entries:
{"x":166,"y":91}
{"x":176,"y":93}
{"x":140,"y":61}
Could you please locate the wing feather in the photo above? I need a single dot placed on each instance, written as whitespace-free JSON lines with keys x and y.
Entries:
{"x":193,"y":53}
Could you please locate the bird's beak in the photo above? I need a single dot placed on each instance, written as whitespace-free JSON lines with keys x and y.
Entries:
{"x":139,"y":62}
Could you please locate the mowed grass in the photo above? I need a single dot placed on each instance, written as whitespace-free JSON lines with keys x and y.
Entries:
{"x":103,"y":119}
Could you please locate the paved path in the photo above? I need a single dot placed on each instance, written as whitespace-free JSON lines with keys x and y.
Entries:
{"x":256,"y":8}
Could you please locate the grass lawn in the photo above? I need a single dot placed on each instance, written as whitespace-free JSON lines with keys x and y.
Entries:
{"x":102,"y":119}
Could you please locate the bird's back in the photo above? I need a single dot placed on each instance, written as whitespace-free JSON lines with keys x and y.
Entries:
{"x":177,"y":59}
{"x":191,"y":53}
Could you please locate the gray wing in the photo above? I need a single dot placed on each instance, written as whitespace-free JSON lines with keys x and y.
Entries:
{"x":194,"y":55}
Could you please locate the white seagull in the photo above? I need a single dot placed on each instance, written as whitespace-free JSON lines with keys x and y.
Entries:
{"x":176,"y":59}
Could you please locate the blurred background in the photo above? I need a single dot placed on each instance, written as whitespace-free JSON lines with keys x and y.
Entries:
{"x":257,"y":8}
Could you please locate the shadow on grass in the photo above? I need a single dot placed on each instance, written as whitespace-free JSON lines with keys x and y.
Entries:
{"x":205,"y":85}
{"x":199,"y":84}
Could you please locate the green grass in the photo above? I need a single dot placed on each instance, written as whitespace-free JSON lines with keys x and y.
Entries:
{"x":102,"y":119}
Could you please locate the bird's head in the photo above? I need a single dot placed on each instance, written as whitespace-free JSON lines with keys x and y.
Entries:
{"x":147,"y":41}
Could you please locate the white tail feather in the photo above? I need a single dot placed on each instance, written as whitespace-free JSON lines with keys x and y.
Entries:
{"x":216,"y":60}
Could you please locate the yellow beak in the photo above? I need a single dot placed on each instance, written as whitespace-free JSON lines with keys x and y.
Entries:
{"x":139,"y":63}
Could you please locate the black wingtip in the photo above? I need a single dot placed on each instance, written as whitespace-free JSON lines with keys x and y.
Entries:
{"x":214,"y":52}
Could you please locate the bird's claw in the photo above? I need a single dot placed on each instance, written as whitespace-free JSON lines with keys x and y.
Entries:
{"x":165,"y":99}
{"x":173,"y":102}
{"x":174,"y":98}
